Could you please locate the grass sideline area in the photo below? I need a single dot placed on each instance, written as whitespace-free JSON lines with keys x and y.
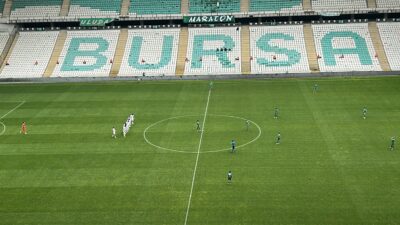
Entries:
{"x":332,"y":166}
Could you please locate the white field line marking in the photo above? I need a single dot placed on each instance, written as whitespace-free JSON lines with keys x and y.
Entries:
{"x":12,"y":110}
{"x":194,"y":152}
{"x":197,"y":157}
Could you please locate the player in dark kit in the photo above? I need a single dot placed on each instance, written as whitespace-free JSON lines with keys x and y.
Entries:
{"x":365,"y":110}
{"x":198,"y":125}
{"x":276,"y":114}
{"x":392,"y":144}
{"x":233,"y":143}
{"x":278,"y":138}
{"x":229,"y":177}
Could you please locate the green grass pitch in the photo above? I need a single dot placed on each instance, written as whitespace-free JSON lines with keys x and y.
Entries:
{"x":332,"y":166}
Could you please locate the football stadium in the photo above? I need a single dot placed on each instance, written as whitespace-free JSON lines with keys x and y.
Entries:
{"x":199,"y":112}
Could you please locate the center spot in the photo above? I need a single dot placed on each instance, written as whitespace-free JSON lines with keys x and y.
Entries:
{"x":180,"y":133}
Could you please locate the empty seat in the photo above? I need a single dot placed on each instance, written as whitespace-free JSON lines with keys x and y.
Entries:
{"x":213,"y":51}
{"x":345,"y":47}
{"x":214,"y":6}
{"x":95,"y":8}
{"x":390,"y":33}
{"x":278,"y":49}
{"x":87,"y":54}
{"x":338,"y":4}
{"x":35,"y":8}
{"x":30,"y":55}
{"x":275,"y":5}
{"x":142,"y":7}
{"x":387,"y":3}
{"x":151,"y":52}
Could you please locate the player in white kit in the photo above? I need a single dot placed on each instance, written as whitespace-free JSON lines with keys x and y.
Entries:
{"x":114,"y":133}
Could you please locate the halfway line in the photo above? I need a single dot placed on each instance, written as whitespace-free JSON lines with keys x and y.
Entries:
{"x":197,"y":157}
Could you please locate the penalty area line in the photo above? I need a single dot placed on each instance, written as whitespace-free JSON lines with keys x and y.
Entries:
{"x":197,"y":158}
{"x":3,"y":116}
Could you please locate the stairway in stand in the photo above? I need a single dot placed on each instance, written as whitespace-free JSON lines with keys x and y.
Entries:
{"x":378,"y":46}
{"x":307,"y":5}
{"x":371,"y":3}
{"x":10,"y":50}
{"x":125,"y":4}
{"x":182,"y":48}
{"x":119,"y":52}
{"x":58,"y":47}
{"x":7,"y":8}
{"x":65,"y":8}
{"x":185,"y":6}
{"x":245,"y":50}
{"x":244,"y":5}
{"x":310,"y":47}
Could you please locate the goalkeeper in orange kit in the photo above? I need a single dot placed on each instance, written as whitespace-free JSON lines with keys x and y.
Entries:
{"x":23,"y":128}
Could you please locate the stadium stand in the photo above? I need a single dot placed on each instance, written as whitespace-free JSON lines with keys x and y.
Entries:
{"x":150,"y":52}
{"x":278,"y":49}
{"x":214,"y":6}
{"x":95,"y":8}
{"x":245,"y":49}
{"x":387,"y":3}
{"x":35,"y":8}
{"x":29,"y":60}
{"x":142,"y":7}
{"x":213,"y":51}
{"x":182,"y":49}
{"x":390,"y":33}
{"x":339,"y":4}
{"x":3,"y":41}
{"x":87,"y":54}
{"x":345,"y":47}
{"x":2,"y":3}
{"x":275,"y":5}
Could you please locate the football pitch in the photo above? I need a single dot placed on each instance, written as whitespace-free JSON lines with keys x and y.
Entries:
{"x":331,"y":166}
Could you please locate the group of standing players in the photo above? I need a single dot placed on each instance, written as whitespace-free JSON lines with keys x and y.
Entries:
{"x":125,"y":127}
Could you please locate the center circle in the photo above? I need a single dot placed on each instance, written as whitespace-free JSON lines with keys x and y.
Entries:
{"x":179,"y":133}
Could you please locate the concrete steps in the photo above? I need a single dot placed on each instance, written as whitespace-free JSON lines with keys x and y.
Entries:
{"x":182,"y":49}
{"x":244,"y":6}
{"x":245,"y":49}
{"x":371,"y":3}
{"x":10,"y":50}
{"x":125,"y":4}
{"x":55,"y":55}
{"x":7,"y":8}
{"x":65,"y":8}
{"x":7,"y":47}
{"x":185,"y":6}
{"x":378,"y":46}
{"x":310,"y":47}
{"x":307,"y":5}
{"x":119,"y":52}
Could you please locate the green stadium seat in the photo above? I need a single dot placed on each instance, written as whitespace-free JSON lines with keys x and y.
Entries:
{"x":214,"y":6}
{"x":275,"y":5}
{"x":95,"y":7}
{"x":143,"y":7}
{"x":35,"y":8}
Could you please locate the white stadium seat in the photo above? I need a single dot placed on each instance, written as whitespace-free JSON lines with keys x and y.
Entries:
{"x":92,"y":55}
{"x":278,"y":55}
{"x":31,"y":47}
{"x":144,"y":52}
{"x":207,"y":42}
{"x":344,"y":39}
{"x":390,"y":33}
